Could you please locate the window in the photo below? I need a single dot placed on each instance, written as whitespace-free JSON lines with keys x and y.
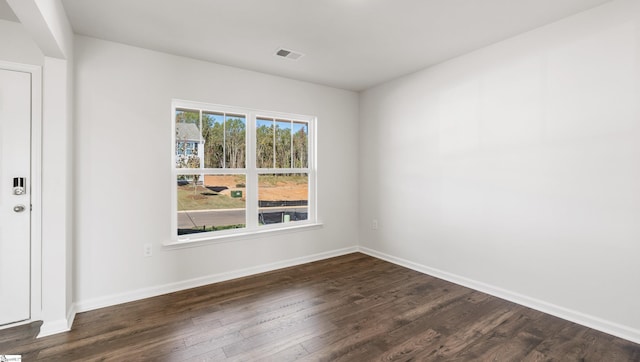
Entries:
{"x":239,"y":171}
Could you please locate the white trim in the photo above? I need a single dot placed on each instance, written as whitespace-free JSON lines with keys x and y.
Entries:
{"x":54,"y":327}
{"x":107,"y":301}
{"x":36,"y":194}
{"x":586,"y":320}
{"x":59,"y":326}
{"x":71,"y":315}
{"x":36,"y":187}
{"x":223,"y":238}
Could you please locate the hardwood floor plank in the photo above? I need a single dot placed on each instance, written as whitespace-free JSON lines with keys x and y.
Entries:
{"x":511,"y":340}
{"x":577,"y":343}
{"x":205,"y":351}
{"x":409,"y":345}
{"x":293,"y":353}
{"x":371,"y":324}
{"x":16,"y":335}
{"x":359,"y":350}
{"x":167,"y":338}
{"x":349,"y":308}
{"x":214,"y":336}
{"x":295,"y":330}
{"x":471,"y":328}
{"x":404,"y":341}
{"x":357,"y":318}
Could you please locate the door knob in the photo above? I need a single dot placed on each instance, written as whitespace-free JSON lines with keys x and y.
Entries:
{"x":19,"y":208}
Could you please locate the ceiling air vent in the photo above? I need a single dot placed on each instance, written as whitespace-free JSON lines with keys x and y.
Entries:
{"x":289,"y":54}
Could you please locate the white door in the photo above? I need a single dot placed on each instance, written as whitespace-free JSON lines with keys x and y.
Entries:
{"x":15,"y":206}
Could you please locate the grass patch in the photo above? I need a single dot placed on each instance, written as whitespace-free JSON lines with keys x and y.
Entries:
{"x":276,"y":180}
{"x":202,"y":198}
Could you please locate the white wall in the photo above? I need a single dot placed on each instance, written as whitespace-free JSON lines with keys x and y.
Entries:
{"x":516,"y":169}
{"x":123,"y":160}
{"x":16,"y":45}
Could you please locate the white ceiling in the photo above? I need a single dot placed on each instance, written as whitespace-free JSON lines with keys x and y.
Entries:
{"x":6,"y":13}
{"x":350,"y":44}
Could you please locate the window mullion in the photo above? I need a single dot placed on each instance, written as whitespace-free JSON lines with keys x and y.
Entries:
{"x":274,"y":143}
{"x":224,"y":140}
{"x":252,"y":176}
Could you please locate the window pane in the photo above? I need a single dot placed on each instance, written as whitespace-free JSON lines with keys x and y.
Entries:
{"x":187,"y":146}
{"x":213,"y":136}
{"x":300,"y":145}
{"x":235,"y":135}
{"x":282,"y":198}
{"x":210,"y":203}
{"x":264,"y":143}
{"x":283,"y":144}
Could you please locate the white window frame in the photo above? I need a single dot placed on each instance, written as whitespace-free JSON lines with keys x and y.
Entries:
{"x":252,"y":227}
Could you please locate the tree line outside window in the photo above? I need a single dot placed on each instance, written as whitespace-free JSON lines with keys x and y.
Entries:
{"x":279,"y":143}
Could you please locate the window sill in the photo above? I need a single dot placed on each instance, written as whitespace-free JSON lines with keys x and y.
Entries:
{"x":200,"y":241}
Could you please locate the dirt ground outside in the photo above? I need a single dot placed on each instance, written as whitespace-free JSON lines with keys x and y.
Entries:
{"x":279,"y":188}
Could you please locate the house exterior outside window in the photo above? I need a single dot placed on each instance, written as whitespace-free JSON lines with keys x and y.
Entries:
{"x":188,"y":145}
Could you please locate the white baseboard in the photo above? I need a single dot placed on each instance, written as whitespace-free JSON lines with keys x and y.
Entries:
{"x":59,"y":326}
{"x":586,"y":320}
{"x":71,"y":315}
{"x":53,"y":327}
{"x":107,"y":301}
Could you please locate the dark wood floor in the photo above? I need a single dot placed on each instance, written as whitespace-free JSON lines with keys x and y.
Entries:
{"x":350,"y":308}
